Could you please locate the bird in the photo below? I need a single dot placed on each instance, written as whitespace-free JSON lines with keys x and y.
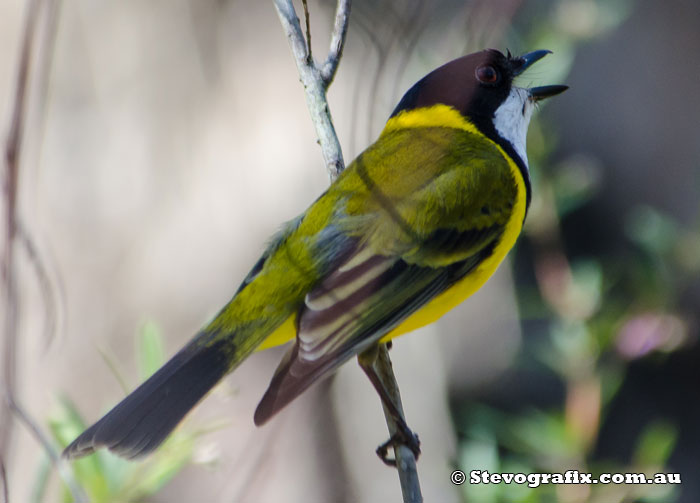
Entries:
{"x":417,"y":223}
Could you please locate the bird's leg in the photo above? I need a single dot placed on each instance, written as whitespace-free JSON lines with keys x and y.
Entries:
{"x":384,"y":383}
{"x":403,"y":434}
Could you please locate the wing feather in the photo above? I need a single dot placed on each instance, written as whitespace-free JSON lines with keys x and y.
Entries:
{"x":328,"y":337}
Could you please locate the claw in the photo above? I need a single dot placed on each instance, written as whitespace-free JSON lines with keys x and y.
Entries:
{"x":401,"y":437}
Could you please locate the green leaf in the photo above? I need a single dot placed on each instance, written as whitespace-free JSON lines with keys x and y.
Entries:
{"x":656,"y":444}
{"x":41,"y":480}
{"x":541,"y":435}
{"x":151,"y":353}
{"x":575,"y":182}
{"x":65,"y":425}
{"x":480,"y":454}
{"x":651,"y":230}
{"x":171,"y":458}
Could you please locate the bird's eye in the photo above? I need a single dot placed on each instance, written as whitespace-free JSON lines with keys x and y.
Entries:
{"x":487,"y":74}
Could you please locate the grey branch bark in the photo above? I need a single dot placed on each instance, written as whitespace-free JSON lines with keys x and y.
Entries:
{"x":316,"y":80}
{"x":340,"y":29}
{"x":314,"y":88}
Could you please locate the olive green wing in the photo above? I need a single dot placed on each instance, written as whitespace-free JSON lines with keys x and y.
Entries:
{"x":410,"y":249}
{"x":350,"y":311}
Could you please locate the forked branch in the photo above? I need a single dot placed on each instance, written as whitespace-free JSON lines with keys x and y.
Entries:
{"x":312,"y":79}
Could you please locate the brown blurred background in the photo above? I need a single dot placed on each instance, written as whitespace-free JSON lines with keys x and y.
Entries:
{"x":172,"y":138}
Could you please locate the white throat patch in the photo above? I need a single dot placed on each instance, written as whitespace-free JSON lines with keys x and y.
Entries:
{"x":512,"y":119}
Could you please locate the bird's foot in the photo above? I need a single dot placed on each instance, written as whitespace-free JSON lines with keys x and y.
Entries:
{"x":403,"y":437}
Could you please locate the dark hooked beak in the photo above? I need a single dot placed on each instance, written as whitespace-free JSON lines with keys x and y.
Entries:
{"x":524,"y":62}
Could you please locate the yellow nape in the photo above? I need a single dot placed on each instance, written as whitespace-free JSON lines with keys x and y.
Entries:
{"x":434,"y":116}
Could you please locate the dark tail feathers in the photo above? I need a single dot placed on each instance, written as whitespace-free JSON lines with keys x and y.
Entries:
{"x":142,"y":421}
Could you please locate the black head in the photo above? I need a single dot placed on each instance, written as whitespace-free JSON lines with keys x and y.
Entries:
{"x":480,"y":87}
{"x":476,"y":84}
{"x":473,"y":84}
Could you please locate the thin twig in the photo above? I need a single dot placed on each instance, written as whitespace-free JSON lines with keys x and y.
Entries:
{"x":9,"y":282}
{"x":314,"y":88}
{"x":9,"y":407}
{"x":411,"y":31}
{"x":361,"y":77}
{"x":111,"y":364}
{"x":46,"y":285}
{"x":62,"y":467}
{"x":315,"y":83}
{"x":340,"y":29}
{"x":309,"y":55}
{"x":51,"y":286}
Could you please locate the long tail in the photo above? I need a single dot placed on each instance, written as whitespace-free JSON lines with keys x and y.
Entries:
{"x":270,"y":294}
{"x":141,"y":422}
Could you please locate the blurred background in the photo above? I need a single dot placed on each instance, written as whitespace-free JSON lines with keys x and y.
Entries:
{"x":167,"y":140}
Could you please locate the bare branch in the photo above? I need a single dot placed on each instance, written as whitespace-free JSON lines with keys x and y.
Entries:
{"x":340,"y":29}
{"x":61,"y":465}
{"x":9,"y":282}
{"x":14,"y":233}
{"x":314,"y":88}
{"x":309,"y":55}
{"x":45,"y":284}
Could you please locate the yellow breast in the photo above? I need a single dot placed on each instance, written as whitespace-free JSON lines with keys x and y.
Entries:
{"x":464,"y":288}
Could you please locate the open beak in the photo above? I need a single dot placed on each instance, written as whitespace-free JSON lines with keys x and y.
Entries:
{"x":526,"y":61}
